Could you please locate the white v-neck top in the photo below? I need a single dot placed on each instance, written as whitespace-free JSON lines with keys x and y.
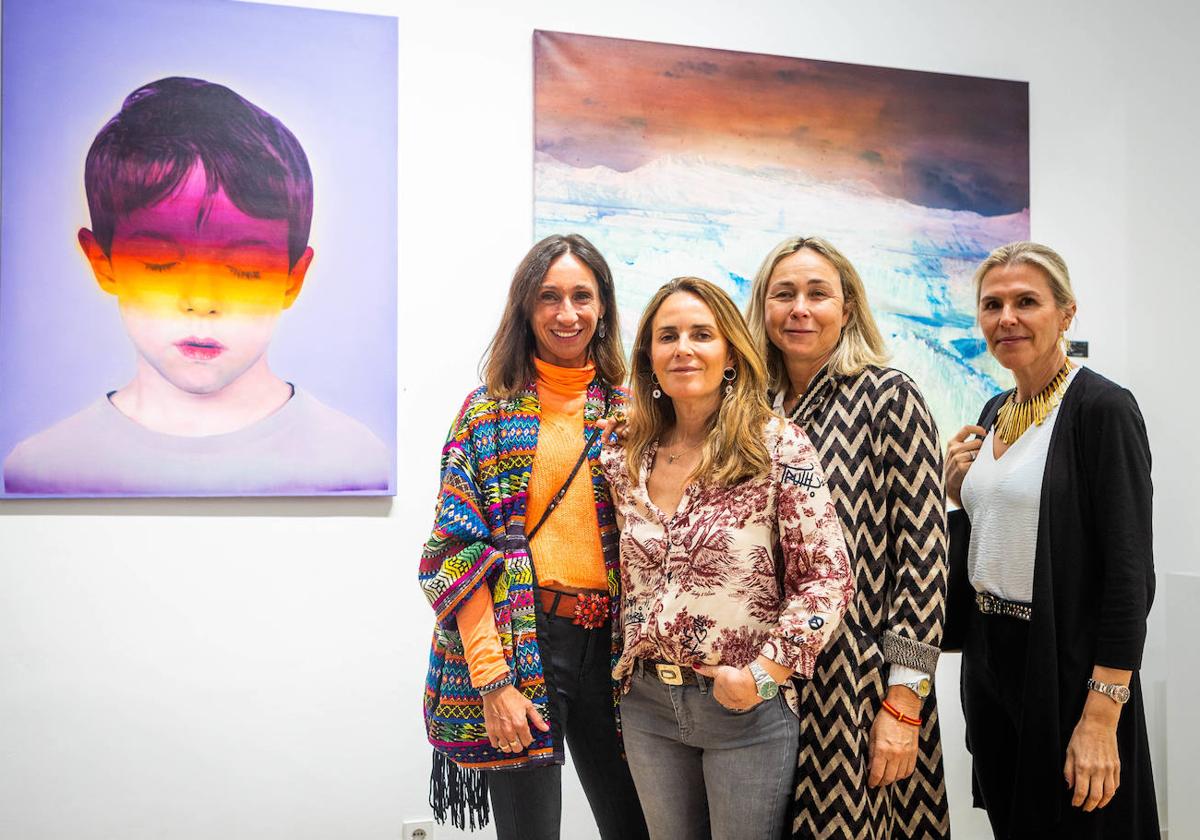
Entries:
{"x":1002,"y":498}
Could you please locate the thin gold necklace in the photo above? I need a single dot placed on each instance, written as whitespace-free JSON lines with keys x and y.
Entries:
{"x":1015,"y":418}
{"x":672,"y":458}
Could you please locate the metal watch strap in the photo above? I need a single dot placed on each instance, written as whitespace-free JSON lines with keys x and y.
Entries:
{"x":1116,"y":693}
{"x":763,"y":682}
{"x":922,"y":687}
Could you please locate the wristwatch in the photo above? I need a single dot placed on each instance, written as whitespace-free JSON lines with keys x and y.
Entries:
{"x":1117,"y":693}
{"x":921,"y":687}
{"x":764,"y":682}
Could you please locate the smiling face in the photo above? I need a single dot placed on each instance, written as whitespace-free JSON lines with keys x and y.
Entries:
{"x":805,"y":310}
{"x":566,"y":311}
{"x":1019,"y":317}
{"x":199,"y":283}
{"x":688,"y":353}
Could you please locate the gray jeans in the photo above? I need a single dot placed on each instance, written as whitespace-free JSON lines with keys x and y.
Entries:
{"x":703,"y":771}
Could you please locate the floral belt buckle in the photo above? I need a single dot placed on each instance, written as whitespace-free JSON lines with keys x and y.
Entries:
{"x":591,"y":610}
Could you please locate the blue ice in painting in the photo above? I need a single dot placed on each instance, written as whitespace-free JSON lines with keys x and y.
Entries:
{"x":676,"y":160}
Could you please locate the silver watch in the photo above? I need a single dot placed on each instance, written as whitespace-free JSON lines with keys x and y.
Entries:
{"x":921,"y":687}
{"x":1116,"y":693}
{"x":764,"y":682}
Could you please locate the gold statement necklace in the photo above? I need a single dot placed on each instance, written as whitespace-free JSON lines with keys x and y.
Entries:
{"x":1014,"y":418}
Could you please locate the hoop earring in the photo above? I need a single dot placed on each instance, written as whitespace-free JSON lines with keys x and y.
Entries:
{"x":601,"y":330}
{"x":729,"y":375}
{"x":657,"y":392}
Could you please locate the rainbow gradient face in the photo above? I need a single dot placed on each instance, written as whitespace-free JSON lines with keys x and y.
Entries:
{"x":199,"y":283}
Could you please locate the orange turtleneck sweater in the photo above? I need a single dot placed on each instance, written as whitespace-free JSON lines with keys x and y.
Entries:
{"x":566,"y":551}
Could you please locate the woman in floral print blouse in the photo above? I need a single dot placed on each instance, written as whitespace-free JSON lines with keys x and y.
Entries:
{"x":734,"y":573}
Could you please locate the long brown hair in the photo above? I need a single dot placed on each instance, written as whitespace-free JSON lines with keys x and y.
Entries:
{"x":860,"y":343}
{"x":734,"y":449}
{"x":508,"y":360}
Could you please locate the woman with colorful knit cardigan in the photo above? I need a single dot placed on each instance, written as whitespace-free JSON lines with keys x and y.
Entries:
{"x":521,"y":569}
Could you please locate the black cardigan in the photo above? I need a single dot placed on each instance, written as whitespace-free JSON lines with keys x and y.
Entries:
{"x":1093,"y":584}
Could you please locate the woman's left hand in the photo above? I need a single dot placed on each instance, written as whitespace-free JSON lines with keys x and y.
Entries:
{"x":734,"y":688}
{"x":1093,"y":766}
{"x":892,"y":748}
{"x":612,"y":429}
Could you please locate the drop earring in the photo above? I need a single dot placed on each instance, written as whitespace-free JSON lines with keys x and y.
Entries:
{"x":657,"y":392}
{"x":729,"y":375}
{"x":601,"y":331}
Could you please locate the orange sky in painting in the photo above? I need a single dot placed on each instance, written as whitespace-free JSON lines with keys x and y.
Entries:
{"x":934,"y":139}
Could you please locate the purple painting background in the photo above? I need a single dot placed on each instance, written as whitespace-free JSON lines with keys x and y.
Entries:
{"x":330,"y":77}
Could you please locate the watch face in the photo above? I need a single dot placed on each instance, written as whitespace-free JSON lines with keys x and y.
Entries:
{"x":768,"y":689}
{"x":1121,"y":693}
{"x":924,"y":687}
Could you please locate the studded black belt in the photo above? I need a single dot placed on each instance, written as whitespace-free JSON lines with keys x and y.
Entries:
{"x":992,"y":605}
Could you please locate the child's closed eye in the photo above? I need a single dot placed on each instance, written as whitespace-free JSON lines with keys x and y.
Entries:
{"x":243,"y":274}
{"x":167,"y":266}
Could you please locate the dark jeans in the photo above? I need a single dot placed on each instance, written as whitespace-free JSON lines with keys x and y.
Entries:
{"x":527,"y":804}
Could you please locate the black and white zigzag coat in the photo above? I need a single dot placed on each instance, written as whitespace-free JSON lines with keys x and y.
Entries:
{"x":879,"y":446}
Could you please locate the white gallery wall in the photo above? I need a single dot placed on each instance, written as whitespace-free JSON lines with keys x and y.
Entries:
{"x":253,"y":668}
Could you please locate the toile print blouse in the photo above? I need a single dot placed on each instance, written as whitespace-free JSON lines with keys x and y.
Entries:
{"x":759,"y":567}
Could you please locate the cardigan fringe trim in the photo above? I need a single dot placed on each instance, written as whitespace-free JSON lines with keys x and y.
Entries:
{"x":458,"y":792}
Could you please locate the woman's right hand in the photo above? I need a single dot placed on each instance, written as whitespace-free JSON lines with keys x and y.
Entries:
{"x":960,"y":454}
{"x":506,"y":716}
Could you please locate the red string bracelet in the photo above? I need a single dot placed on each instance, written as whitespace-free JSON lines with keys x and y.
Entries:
{"x":899,"y":715}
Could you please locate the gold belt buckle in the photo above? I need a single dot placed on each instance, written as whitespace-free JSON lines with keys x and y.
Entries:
{"x":669,"y":674}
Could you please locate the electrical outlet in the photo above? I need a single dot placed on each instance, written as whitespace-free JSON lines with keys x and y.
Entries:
{"x":417,"y":830}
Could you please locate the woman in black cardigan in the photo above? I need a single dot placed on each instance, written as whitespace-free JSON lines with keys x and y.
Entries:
{"x":1055,"y":483}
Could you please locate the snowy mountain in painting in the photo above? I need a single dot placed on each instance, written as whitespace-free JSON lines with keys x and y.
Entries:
{"x":686,"y":215}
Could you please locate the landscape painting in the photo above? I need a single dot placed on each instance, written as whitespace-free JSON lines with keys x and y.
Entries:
{"x":679,"y":160}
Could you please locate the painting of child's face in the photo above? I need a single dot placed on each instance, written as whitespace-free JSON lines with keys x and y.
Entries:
{"x":200,"y":284}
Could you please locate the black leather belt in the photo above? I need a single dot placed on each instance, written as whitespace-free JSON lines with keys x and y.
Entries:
{"x":990,"y":604}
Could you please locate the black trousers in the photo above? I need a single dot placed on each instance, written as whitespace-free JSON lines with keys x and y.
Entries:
{"x":527,"y":804}
{"x":993,"y":682}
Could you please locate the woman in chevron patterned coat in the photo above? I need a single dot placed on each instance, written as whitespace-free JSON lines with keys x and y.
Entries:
{"x":870,"y":762}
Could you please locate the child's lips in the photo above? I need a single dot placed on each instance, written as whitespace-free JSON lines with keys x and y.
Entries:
{"x":200,"y":349}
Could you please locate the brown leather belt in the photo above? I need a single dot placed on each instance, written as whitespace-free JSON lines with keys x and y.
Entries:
{"x":587,"y":609}
{"x":668,"y":673}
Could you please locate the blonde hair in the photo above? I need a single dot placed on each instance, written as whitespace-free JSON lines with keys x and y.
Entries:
{"x":860,"y":343}
{"x":1030,"y":253}
{"x":734,"y":449}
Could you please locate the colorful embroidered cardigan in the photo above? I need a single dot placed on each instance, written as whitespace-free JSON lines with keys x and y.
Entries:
{"x":479,"y":540}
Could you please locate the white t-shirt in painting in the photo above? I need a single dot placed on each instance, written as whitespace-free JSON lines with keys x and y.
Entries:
{"x":304,"y":448}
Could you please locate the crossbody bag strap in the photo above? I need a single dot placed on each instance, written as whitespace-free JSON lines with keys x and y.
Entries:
{"x":562,"y":491}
